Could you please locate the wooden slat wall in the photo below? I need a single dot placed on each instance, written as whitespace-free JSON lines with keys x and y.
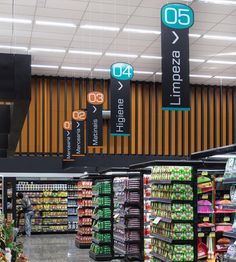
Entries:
{"x":210,"y":123}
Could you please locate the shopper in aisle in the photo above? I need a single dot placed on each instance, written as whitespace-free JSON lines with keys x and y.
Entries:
{"x":28,"y":212}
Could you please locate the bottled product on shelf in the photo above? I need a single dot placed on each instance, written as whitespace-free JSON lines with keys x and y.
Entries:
{"x":72,"y":206}
{"x":101,"y":248}
{"x":127,"y":214}
{"x":85,"y":212}
{"x":173,"y":215}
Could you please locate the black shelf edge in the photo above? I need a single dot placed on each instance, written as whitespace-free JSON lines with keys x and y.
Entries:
{"x":95,"y":229}
{"x":72,"y":206}
{"x":164,"y":259}
{"x":123,"y":226}
{"x":229,"y":181}
{"x":82,"y":246}
{"x":98,"y":242}
{"x":169,"y":182}
{"x":230,"y":234}
{"x":174,"y":221}
{"x":169,"y":201}
{"x":171,"y":241}
{"x":124,"y":253}
{"x":73,"y":214}
{"x":122,"y":240}
{"x":100,"y":257}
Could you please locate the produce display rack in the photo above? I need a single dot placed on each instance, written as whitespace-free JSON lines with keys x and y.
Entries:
{"x":84,"y":234}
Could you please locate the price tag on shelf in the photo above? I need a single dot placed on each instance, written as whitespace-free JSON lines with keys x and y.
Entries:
{"x":226,"y":219}
{"x":213,"y":234}
{"x":156,"y":220}
{"x":205,"y":196}
{"x":201,"y":234}
{"x":226,"y":196}
{"x":206,"y":219}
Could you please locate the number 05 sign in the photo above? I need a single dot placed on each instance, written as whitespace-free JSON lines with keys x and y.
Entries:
{"x":176,"y":20}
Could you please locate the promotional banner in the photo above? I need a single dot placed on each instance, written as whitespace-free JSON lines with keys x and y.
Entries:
{"x":95,"y":101}
{"x":176,"y":19}
{"x":78,"y":119}
{"x":67,"y":141}
{"x":120,"y":84}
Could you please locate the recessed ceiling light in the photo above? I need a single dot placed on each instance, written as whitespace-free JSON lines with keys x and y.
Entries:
{"x":221,"y":62}
{"x":39,"y":49}
{"x":200,"y":76}
{"x":121,"y":55}
{"x":75,"y":68}
{"x":220,"y":37}
{"x":194,"y":35}
{"x":15,"y":20}
{"x":150,"y":57}
{"x":141,"y":31}
{"x":226,"y":77}
{"x":50,"y":23}
{"x":222,"y":2}
{"x":195,"y":60}
{"x":13,"y":47}
{"x":143,"y":72}
{"x":45,"y":66}
{"x":98,"y":27}
{"x":101,"y":70}
{"x":84,"y":52}
{"x":159,"y":73}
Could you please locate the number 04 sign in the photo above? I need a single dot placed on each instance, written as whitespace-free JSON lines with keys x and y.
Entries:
{"x":176,"y":20}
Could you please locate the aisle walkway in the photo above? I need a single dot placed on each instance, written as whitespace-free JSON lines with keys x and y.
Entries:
{"x":54,"y":248}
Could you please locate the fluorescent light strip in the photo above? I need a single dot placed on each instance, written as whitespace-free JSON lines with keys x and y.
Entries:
{"x":221,"y":62}
{"x":85,"y":52}
{"x":121,"y":55}
{"x":159,"y":73}
{"x":194,"y":35}
{"x":200,"y":76}
{"x":39,"y":49}
{"x":227,"y":54}
{"x":226,"y":77}
{"x":45,"y":66}
{"x":220,"y":2}
{"x":143,"y":73}
{"x":151,"y":57}
{"x":15,"y":20}
{"x":75,"y":68}
{"x":50,"y":23}
{"x":13,"y":47}
{"x":220,"y":37}
{"x":141,"y":31}
{"x":103,"y":28}
{"x":101,"y":70}
{"x":195,"y":60}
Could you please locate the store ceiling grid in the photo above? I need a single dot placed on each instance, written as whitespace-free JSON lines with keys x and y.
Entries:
{"x":215,"y":56}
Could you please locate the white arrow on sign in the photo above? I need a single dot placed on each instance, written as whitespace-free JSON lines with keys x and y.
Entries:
{"x":68,"y":133}
{"x":176,"y":38}
{"x":95,"y":109}
{"x":121,"y":86}
{"x":78,"y":124}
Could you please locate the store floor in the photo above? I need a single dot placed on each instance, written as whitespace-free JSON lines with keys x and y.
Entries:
{"x":54,"y":248}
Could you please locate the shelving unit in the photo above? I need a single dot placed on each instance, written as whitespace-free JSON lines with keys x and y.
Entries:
{"x":174,"y":213}
{"x":72,"y":206}
{"x":85,"y":211}
{"x":102,"y":239}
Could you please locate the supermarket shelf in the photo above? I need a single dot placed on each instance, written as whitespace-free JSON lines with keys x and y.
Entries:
{"x":122,"y":240}
{"x":88,"y":216}
{"x":169,"y":220}
{"x":100,"y":218}
{"x":122,"y":226}
{"x":101,"y":206}
{"x":98,"y":242}
{"x":81,"y":245}
{"x":222,"y":251}
{"x":132,"y":189}
{"x":229,"y":207}
{"x":100,"y":257}
{"x":95,"y":229}
{"x":74,"y":214}
{"x":74,"y":206}
{"x":123,"y":252}
{"x":130,"y":216}
{"x":169,"y":201}
{"x":81,"y":188}
{"x":229,"y":181}
{"x":171,"y":241}
{"x":169,"y":182}
{"x":230,"y":234}
{"x":82,"y":207}
{"x":74,"y":197}
{"x":164,"y":259}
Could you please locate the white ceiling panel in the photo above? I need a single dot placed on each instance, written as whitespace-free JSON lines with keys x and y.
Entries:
{"x":67,"y":4}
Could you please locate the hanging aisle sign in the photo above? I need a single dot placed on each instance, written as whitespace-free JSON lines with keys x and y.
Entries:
{"x":67,"y":141}
{"x":95,"y":101}
{"x":120,"y":84}
{"x":78,"y":119}
{"x":176,"y":19}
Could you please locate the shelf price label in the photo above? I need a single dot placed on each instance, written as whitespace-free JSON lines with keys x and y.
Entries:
{"x":206,"y":219}
{"x":120,"y":84}
{"x":176,"y":19}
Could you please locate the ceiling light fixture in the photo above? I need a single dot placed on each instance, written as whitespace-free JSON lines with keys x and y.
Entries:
{"x":75,"y":68}
{"x":98,"y":27}
{"x":143,"y":73}
{"x":50,"y":23}
{"x":200,"y":76}
{"x":84,"y":52}
{"x":221,"y":62}
{"x":151,"y":57}
{"x":220,"y":37}
{"x":101,"y":70}
{"x":15,"y":20}
{"x":194,"y":35}
{"x":141,"y":31}
{"x":195,"y":60}
{"x":13,"y":47}
{"x":39,"y":49}
{"x":226,"y":77}
{"x":45,"y":66}
{"x":159,"y":73}
{"x":121,"y":55}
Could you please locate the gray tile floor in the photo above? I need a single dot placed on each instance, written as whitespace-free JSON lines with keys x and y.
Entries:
{"x":54,"y":248}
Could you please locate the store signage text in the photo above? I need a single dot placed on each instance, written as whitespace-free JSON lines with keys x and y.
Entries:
{"x":67,"y":140}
